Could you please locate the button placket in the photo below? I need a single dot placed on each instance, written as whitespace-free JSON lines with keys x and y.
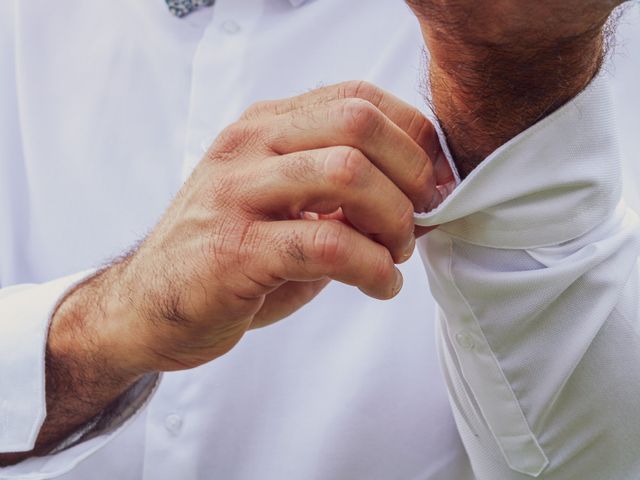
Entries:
{"x":217,"y":97}
{"x":465,"y":340}
{"x":173,"y":423}
{"x":493,"y":393}
{"x":230,"y":27}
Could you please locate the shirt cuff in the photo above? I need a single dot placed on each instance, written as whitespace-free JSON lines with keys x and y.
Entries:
{"x":501,"y":262}
{"x":25,"y":314}
{"x":520,"y":195}
{"x":90,"y":438}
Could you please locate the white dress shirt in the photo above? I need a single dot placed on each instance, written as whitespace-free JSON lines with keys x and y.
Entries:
{"x":105,"y":108}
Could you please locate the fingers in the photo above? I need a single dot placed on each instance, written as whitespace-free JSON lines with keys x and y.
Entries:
{"x":421,"y":231}
{"x":406,"y":117}
{"x":441,"y":169}
{"x":326,"y":180}
{"x":286,"y":299}
{"x":303,"y":250}
{"x":359,"y":124}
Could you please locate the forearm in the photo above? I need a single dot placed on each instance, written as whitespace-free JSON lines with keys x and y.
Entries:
{"x":491,"y":96}
{"x":536,"y":276}
{"x":534,"y":267}
{"x":85,"y":371}
{"x":488,"y":86}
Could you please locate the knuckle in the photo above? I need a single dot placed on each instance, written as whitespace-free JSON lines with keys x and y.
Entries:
{"x":245,"y":240}
{"x":346,"y":166}
{"x":362,"y":89}
{"x":220,"y":191}
{"x":235,"y":139}
{"x":256,"y":109}
{"x":360,"y":118}
{"x":211,"y":189}
{"x":223,"y":248}
{"x":348,"y":89}
{"x":327,"y":242}
{"x":227,"y":198}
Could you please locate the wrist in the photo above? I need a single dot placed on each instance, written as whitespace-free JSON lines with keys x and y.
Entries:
{"x":87,"y":364}
{"x":484,"y":96}
{"x":496,"y":68}
{"x":93,"y":328}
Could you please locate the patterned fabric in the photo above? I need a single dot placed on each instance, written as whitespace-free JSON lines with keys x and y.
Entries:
{"x":180,"y":8}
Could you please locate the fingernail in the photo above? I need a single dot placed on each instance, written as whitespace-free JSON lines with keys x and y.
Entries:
{"x":397,"y":286}
{"x":441,"y":194}
{"x":309,"y":215}
{"x":450,"y":186}
{"x":408,"y":251}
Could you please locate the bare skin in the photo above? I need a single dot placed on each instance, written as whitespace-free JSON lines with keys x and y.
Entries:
{"x":232,"y":252}
{"x":296,"y":193}
{"x":497,"y":67}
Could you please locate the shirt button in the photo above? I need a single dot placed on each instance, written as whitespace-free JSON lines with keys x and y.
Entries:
{"x":230,"y":27}
{"x":465,"y":340}
{"x":173,"y":423}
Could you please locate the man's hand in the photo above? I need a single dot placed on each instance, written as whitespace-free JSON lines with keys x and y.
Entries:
{"x":297,"y":192}
{"x":240,"y":247}
{"x":497,"y":67}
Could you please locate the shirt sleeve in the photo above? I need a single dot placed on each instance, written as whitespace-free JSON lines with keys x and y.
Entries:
{"x":535,"y":270}
{"x":25,"y":312}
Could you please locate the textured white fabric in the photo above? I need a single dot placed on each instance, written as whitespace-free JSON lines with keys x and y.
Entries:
{"x":22,"y":343}
{"x":537,"y":280}
{"x":625,"y":53}
{"x":104,"y":108}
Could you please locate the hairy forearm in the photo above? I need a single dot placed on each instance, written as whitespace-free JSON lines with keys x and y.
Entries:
{"x":83,"y":373}
{"x":490,"y":84}
{"x":491,"y":96}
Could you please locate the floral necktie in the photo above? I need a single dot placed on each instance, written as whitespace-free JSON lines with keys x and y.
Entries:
{"x":180,"y":8}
